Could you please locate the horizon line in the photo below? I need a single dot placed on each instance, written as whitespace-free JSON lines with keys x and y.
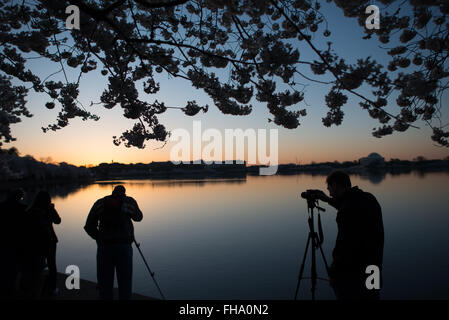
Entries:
{"x":224,"y":162}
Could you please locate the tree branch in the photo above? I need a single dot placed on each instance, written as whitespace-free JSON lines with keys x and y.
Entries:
{"x":113,"y":6}
{"x":160,"y":4}
{"x":329,"y":67}
{"x":188,"y":46}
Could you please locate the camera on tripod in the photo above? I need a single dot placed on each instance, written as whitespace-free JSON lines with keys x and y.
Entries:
{"x":315,"y":239}
{"x":312,"y":197}
{"x":311,"y":194}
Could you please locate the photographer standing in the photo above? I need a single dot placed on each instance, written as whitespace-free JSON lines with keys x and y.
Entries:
{"x":109,"y":223}
{"x":360,"y":237}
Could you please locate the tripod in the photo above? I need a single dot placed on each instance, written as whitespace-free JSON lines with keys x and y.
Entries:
{"x":316,"y":240}
{"x":148,"y":268}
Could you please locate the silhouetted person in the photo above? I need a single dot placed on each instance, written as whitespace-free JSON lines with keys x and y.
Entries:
{"x":109,"y":223}
{"x":360,"y":237}
{"x":42,"y":242}
{"x":11,"y":241}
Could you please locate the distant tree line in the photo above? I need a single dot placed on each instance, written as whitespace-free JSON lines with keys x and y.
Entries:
{"x":16,"y":167}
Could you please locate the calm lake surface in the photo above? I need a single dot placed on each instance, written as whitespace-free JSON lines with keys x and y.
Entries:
{"x":244,"y":239}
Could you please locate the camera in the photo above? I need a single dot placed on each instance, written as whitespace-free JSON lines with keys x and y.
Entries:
{"x":311,"y":194}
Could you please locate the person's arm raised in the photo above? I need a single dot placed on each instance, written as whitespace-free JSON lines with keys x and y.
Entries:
{"x":55,"y":218}
{"x":135,"y":214}
{"x":320,"y":195}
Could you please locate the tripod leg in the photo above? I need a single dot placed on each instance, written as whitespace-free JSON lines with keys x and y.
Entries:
{"x":324,"y":258}
{"x":302,"y":265}
{"x":313,"y":266}
{"x":149,"y":270}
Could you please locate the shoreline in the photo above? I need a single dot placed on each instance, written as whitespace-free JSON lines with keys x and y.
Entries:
{"x":250,"y":171}
{"x":87,"y":291}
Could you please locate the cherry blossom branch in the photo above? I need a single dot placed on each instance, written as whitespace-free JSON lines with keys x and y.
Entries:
{"x":329,"y":67}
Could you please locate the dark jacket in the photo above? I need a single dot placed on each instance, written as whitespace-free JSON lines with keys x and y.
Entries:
{"x":360,"y":238}
{"x":109,"y":220}
{"x":43,"y":219}
{"x":40,"y":232}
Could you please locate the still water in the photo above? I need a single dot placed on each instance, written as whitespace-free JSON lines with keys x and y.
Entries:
{"x":244,"y":239}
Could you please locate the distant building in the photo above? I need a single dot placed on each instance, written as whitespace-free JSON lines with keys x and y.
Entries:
{"x":373,"y":159}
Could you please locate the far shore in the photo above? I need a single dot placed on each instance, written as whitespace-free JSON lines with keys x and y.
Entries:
{"x":229,"y":172}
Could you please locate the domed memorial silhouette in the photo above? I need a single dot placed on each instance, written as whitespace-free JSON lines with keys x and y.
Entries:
{"x":373,"y":159}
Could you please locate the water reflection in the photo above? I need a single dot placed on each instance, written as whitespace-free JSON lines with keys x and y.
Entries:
{"x":60,"y":190}
{"x":244,"y":238}
{"x":64,"y":189}
{"x":374,"y":177}
{"x":174,"y":182}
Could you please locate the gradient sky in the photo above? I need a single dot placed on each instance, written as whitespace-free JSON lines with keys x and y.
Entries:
{"x":90,"y":142}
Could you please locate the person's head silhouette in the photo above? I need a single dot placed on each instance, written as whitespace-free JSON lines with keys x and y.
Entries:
{"x":338,"y":182}
{"x":119,"y":191}
{"x":42,"y":200}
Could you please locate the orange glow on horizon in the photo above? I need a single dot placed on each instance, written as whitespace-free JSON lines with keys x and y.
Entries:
{"x":124,"y":158}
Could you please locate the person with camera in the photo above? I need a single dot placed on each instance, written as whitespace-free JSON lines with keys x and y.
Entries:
{"x":110,"y":223}
{"x":360,"y":237}
{"x":41,"y":245}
